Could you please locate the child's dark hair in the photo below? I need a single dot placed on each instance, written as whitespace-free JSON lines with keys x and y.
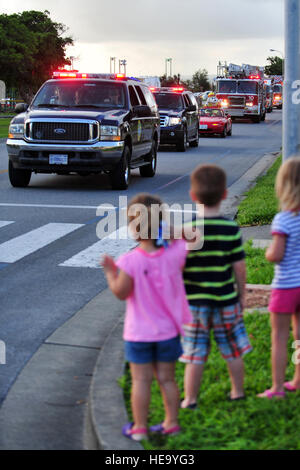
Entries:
{"x":148,"y":209}
{"x":208,"y":183}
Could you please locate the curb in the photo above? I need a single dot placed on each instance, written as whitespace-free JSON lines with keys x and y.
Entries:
{"x":106,"y":411}
{"x":238,"y":189}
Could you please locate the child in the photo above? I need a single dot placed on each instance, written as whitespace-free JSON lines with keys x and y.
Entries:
{"x":150,"y":279}
{"x":209,"y":276}
{"x":285,"y":296}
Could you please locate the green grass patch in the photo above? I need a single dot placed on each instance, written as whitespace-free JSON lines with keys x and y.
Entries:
{"x":218,"y":424}
{"x":4,"y":124}
{"x":259,"y":270}
{"x":260,"y":205}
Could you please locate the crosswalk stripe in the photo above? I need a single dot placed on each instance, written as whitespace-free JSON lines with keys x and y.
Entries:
{"x":114,"y":245}
{"x":23,"y":245}
{"x":3,"y":223}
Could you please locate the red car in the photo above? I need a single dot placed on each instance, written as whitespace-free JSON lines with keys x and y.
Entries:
{"x":214,"y":121}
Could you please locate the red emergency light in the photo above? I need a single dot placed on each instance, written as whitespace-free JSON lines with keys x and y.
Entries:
{"x":254,"y":77}
{"x":177,"y":88}
{"x":120,"y":76}
{"x":67,"y":74}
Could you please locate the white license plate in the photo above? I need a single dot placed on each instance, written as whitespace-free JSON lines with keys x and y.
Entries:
{"x":58,"y":159}
{"x":203,"y":127}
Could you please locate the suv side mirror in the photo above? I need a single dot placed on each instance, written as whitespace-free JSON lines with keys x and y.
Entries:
{"x":191,"y":108}
{"x":21,"y":108}
{"x":141,"y":111}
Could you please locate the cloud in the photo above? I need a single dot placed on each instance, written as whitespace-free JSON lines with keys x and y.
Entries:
{"x":99,"y":21}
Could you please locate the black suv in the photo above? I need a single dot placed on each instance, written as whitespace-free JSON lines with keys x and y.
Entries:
{"x":178,"y":111}
{"x":85,"y":123}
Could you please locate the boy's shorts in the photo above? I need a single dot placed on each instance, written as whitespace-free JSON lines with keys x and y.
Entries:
{"x":160,"y":351}
{"x":229,"y":331}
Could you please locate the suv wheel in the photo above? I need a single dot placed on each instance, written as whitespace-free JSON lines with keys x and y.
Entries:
{"x":150,"y":169}
{"x":195,"y":142}
{"x":18,"y":178}
{"x":120,"y":176}
{"x":182,"y":144}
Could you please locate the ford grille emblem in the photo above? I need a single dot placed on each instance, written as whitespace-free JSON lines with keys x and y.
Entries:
{"x":59,"y":131}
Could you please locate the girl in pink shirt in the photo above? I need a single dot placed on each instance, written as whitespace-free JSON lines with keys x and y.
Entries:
{"x":150,"y":279}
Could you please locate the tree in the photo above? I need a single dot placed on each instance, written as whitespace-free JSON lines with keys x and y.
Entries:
{"x":275,"y":66}
{"x":199,"y":82}
{"x":32,"y":46}
{"x":169,"y":81}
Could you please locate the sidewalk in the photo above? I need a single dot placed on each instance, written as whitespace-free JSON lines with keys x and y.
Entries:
{"x":67,"y":396}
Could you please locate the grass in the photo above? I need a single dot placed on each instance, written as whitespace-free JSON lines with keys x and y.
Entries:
{"x":218,"y":424}
{"x":259,"y":270}
{"x":260,"y":205}
{"x":4,"y":123}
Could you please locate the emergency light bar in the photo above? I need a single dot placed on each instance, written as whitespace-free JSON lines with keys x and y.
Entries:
{"x":105,"y":76}
{"x":176,"y":89}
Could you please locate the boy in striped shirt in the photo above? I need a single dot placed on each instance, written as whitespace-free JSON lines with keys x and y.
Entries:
{"x":215,"y":278}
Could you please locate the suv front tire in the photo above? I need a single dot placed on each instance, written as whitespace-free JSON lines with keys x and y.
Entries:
{"x":120,"y":176}
{"x":18,"y":178}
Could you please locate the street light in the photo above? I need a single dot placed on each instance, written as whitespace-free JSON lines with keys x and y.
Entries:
{"x":169,"y":60}
{"x":124,"y":63}
{"x":112,"y":59}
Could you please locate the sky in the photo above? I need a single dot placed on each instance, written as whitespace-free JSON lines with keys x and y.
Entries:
{"x":194,"y":33}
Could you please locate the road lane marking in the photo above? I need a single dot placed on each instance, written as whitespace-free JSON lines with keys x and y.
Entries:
{"x":54,"y":206}
{"x":3,"y":171}
{"x":17,"y":248}
{"x":3,"y":223}
{"x":114,"y":245}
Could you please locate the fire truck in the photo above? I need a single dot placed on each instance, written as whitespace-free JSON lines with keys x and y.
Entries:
{"x":277,"y":91}
{"x":242,"y":91}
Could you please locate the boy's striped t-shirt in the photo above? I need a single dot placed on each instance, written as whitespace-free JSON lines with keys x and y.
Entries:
{"x":208,"y":274}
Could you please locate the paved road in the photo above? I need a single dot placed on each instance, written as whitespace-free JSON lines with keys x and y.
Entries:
{"x":49,"y":249}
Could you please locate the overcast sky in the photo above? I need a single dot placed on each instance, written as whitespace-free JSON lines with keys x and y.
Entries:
{"x":195,"y":33}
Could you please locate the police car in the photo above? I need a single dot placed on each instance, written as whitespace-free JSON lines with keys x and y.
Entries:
{"x":85,"y":123}
{"x":178,"y":111}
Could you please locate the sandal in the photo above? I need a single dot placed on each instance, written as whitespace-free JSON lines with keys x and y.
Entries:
{"x":269,"y":394}
{"x":289,"y":387}
{"x":235,"y":399}
{"x":191,"y":406}
{"x":161,"y":430}
{"x":134,"y":434}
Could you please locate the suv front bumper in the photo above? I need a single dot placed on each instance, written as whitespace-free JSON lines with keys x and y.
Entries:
{"x":96,"y":157}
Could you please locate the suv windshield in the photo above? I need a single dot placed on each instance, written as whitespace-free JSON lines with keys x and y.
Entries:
{"x":277,"y":88}
{"x":168,"y":100}
{"x":81,"y":94}
{"x":227,"y":86}
{"x":245,"y":86}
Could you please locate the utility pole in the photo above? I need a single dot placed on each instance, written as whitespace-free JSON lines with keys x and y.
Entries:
{"x":291,"y":88}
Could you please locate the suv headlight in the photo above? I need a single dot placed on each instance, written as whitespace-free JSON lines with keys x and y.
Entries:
{"x":173,"y":121}
{"x":110,"y":133}
{"x":16,"y":131}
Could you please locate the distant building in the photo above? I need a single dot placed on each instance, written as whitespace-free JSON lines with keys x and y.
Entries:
{"x":151,"y":81}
